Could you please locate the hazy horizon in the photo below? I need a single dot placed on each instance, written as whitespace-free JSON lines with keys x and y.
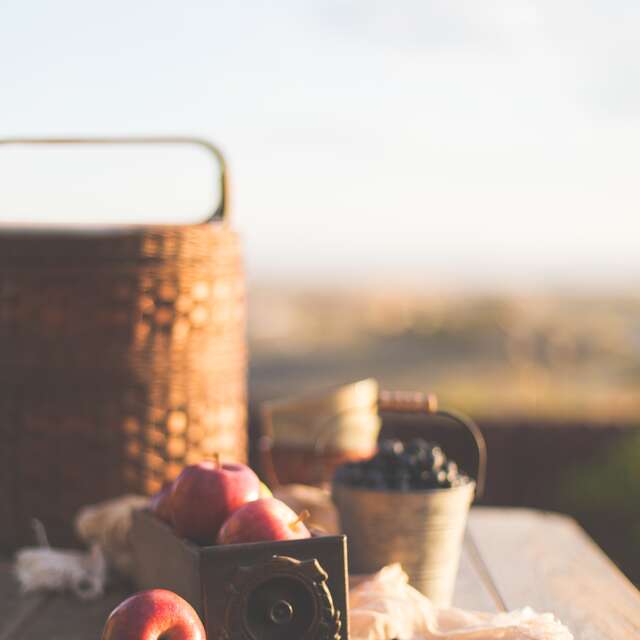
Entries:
{"x":466,"y":145}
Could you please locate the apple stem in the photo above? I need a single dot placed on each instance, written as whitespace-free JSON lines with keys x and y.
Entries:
{"x":302,"y":517}
{"x":216,"y":459}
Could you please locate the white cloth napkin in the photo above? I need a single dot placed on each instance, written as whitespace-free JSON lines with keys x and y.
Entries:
{"x":104,"y":528}
{"x":385,"y":607}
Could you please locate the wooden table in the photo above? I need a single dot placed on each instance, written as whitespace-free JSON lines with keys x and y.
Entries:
{"x":511,"y":558}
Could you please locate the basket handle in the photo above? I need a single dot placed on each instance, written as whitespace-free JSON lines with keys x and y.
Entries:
{"x":218,"y":213}
{"x":427,"y":404}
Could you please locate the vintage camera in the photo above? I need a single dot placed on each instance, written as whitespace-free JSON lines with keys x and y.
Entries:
{"x":284,"y":590}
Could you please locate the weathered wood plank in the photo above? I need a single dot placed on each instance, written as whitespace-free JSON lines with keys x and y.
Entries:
{"x":15,"y":609}
{"x":548,"y":562}
{"x":65,"y":618}
{"x":40,"y":616}
{"x":471,"y":591}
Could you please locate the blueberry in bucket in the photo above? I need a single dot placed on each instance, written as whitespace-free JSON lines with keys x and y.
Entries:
{"x":414,"y":466}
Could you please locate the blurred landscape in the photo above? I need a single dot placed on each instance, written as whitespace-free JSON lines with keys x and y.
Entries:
{"x":546,"y":356}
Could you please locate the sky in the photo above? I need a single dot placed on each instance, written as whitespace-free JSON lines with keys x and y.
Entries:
{"x":473,"y":144}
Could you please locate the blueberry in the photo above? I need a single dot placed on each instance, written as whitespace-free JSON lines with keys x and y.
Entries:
{"x":398,"y":447}
{"x":436,"y":458}
{"x":418,"y":465}
{"x":417,"y":448}
{"x":390,"y":449}
{"x":416,"y":475}
{"x":404,"y":483}
{"x":452,"y":470}
{"x":428,"y":481}
{"x":409,"y":459}
{"x":375,"y":479}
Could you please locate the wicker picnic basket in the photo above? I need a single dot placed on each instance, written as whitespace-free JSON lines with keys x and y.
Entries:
{"x":122,"y":357}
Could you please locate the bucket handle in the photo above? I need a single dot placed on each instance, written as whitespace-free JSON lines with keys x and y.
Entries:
{"x":427,"y":404}
{"x":388,"y":402}
{"x":219,"y":212}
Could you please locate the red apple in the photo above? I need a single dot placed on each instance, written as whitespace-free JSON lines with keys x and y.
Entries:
{"x":154,"y":615}
{"x":263,"y":520}
{"x":204,"y":495}
{"x":160,"y":503}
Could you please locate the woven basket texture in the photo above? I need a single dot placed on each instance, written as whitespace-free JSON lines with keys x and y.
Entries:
{"x":123,"y":357}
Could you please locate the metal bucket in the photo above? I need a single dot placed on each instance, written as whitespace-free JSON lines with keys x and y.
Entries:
{"x":422,"y":530}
